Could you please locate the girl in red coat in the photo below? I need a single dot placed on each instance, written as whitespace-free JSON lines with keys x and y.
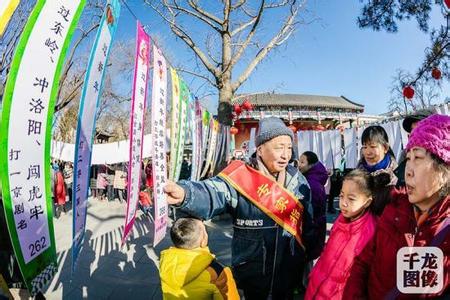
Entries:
{"x":59,"y":190}
{"x":352,"y":230}
{"x":419,"y":217}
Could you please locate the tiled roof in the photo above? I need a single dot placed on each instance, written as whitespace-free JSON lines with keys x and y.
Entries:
{"x":296,"y":100}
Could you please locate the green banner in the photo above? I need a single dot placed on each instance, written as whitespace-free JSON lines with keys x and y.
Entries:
{"x":29,"y":101}
{"x":184,"y":99}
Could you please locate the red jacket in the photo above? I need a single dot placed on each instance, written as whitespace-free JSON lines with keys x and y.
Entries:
{"x":59,"y":189}
{"x":373,"y":274}
{"x":347,"y":239}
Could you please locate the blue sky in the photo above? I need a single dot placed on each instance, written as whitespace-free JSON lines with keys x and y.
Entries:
{"x":331,"y":56}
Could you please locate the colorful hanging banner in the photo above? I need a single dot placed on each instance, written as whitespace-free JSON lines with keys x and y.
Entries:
{"x":159,"y":92}
{"x":206,"y":132}
{"x":201,"y":157}
{"x":196,"y":127}
{"x":7,"y":9}
{"x":90,"y":97}
{"x":219,"y":149}
{"x":25,"y":135}
{"x":141,"y":67}
{"x":184,"y":99}
{"x":211,"y":144}
{"x":174,"y":126}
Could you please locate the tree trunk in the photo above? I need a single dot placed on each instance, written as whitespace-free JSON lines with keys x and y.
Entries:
{"x":224,"y":81}
{"x":224,"y":110}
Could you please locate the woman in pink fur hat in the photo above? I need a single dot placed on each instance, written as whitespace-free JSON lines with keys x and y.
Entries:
{"x":417,"y":217}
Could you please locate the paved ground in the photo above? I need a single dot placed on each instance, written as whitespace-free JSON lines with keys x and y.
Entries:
{"x":107,"y":271}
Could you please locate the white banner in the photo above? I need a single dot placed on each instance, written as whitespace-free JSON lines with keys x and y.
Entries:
{"x":137,"y":125}
{"x":351,"y":146}
{"x":159,"y":95}
{"x":90,"y":98}
{"x":26,"y":137}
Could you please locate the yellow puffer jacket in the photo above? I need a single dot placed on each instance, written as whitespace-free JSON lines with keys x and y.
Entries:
{"x":195,"y":274}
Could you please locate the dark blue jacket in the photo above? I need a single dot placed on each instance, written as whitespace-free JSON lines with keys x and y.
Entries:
{"x":260,"y":247}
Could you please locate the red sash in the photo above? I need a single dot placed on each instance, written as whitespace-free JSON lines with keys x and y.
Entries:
{"x":274,"y":200}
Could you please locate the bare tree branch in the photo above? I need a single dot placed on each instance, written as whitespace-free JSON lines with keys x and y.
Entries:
{"x":197,"y":75}
{"x":240,"y":25}
{"x":250,"y":35}
{"x":194,"y":5}
{"x":197,"y":15}
{"x":243,"y":26}
{"x":279,"y":4}
{"x":281,"y":37}
{"x":238,"y":4}
{"x":178,"y":31}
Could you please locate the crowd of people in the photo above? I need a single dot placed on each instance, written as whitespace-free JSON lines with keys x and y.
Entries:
{"x":278,"y":204}
{"x":384,"y":206}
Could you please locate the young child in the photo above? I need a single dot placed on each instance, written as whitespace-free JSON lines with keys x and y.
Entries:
{"x":189,"y":270}
{"x":354,"y":227}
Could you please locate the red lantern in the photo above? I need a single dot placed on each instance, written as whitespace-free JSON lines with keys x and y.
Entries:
{"x":237,"y":109}
{"x":233,"y":130}
{"x":436,"y":73}
{"x":293,"y":128}
{"x":447,"y":4}
{"x":247,"y":105}
{"x":408,"y":92}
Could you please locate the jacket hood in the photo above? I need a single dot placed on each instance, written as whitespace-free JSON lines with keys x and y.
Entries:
{"x":318,"y":173}
{"x":178,"y":267}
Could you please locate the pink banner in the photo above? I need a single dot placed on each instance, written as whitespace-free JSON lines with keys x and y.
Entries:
{"x":159,"y":95}
{"x":137,"y":126}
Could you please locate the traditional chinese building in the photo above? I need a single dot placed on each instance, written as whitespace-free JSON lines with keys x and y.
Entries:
{"x":300,"y":112}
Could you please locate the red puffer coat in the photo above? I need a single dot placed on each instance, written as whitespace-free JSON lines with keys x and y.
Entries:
{"x":373,"y":274}
{"x":347,"y":239}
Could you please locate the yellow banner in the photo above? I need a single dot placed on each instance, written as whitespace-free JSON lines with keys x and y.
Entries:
{"x":6,"y":10}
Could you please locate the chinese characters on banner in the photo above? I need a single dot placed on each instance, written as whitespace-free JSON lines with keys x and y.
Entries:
{"x":193,"y":125}
{"x":159,"y":92}
{"x":90,"y":97}
{"x":29,"y":101}
{"x":137,"y":125}
{"x":184,"y":98}
{"x":197,"y":142}
{"x":420,"y":270}
{"x":175,"y":125}
{"x":211,"y":146}
{"x":206,"y":132}
{"x":7,"y":9}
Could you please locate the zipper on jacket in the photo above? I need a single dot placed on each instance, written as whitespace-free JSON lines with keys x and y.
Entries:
{"x":264,"y":258}
{"x":274,"y":262}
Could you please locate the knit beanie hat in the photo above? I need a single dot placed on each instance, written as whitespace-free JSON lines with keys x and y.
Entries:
{"x":433,"y":134}
{"x":270,"y":128}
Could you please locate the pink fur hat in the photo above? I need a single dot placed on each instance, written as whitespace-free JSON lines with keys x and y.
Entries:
{"x":433,"y":134}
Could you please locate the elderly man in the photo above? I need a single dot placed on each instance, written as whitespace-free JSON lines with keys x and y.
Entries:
{"x":269,"y":201}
